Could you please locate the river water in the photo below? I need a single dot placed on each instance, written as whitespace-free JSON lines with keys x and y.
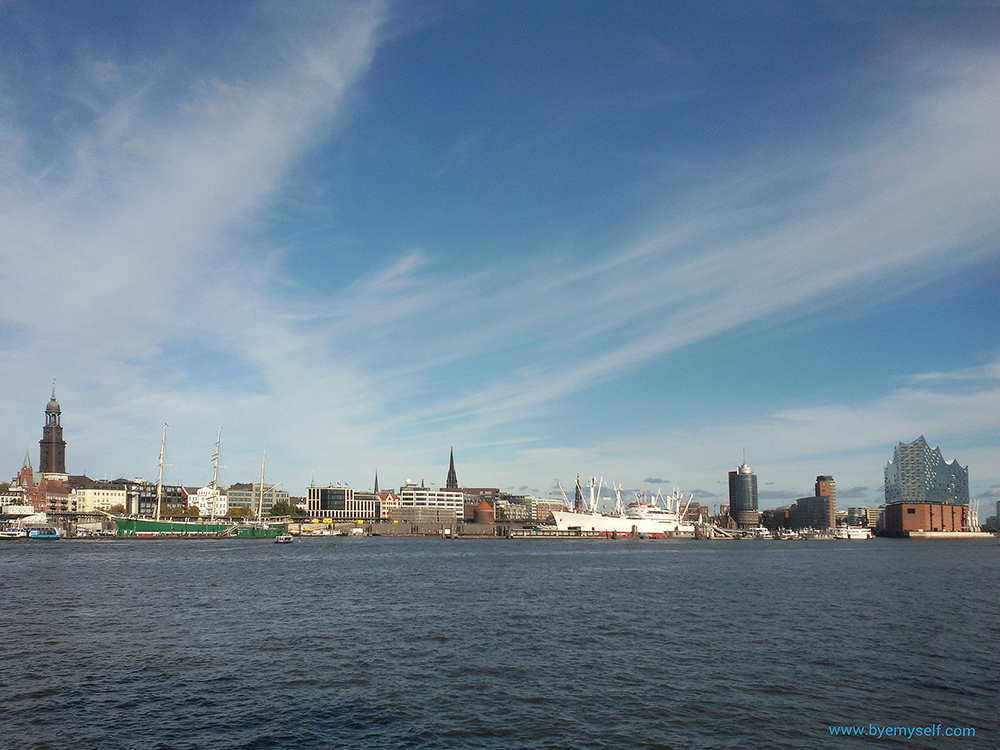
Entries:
{"x":430,"y":643}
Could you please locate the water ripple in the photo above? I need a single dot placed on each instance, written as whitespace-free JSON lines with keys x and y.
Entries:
{"x":424,"y":643}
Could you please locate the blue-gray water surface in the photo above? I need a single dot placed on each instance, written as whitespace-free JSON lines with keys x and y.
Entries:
{"x":430,"y":643}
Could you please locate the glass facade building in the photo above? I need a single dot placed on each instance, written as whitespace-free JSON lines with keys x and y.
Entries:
{"x":743,"y":496}
{"x":918,"y":473}
{"x":342,"y":504}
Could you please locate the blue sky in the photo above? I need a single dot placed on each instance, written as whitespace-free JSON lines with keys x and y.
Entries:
{"x":628,"y":241}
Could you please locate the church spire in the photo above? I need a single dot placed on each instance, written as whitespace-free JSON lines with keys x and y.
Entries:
{"x":53,"y":448}
{"x":376,"y":482}
{"x":452,"y":483}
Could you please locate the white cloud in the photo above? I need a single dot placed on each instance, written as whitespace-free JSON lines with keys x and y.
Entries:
{"x":128,"y":280}
{"x":118,"y":261}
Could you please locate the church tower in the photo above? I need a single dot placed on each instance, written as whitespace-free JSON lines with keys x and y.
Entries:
{"x":452,"y":483}
{"x":53,"y":447}
{"x":26,"y":476}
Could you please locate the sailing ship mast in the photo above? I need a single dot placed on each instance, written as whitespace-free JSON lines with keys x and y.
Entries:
{"x":159,"y":478}
{"x":260,"y":503}
{"x":215,"y":475}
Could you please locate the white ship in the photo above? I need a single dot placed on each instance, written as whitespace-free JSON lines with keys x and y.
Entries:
{"x":641,"y":517}
{"x":851,"y":532}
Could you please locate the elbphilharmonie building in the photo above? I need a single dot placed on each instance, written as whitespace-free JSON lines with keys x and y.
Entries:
{"x":918,"y":473}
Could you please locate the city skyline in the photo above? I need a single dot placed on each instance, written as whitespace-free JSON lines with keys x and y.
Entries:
{"x":629,"y":244}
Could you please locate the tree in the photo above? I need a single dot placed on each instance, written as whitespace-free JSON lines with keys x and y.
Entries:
{"x":117,"y":509}
{"x":239,"y":512}
{"x":285,"y":508}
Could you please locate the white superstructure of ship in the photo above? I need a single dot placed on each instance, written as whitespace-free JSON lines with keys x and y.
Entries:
{"x":852,"y":532}
{"x":644,"y":516}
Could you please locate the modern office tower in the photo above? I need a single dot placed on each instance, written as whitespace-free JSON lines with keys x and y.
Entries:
{"x":923,"y":492}
{"x":53,"y":447}
{"x":743,"y":496}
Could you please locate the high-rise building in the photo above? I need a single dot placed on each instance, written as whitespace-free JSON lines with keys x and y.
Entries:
{"x":743,"y":496}
{"x":918,"y":473}
{"x":826,"y":487}
{"x":53,"y":447}
{"x":923,"y":492}
{"x":817,"y":512}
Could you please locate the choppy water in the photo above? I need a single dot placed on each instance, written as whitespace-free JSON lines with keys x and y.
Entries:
{"x":428,"y":643}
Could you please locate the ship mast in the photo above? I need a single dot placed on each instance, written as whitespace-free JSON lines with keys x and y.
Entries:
{"x":594,"y":499}
{"x":619,"y":505}
{"x":260,"y":503}
{"x":215,"y":475}
{"x":159,"y":478}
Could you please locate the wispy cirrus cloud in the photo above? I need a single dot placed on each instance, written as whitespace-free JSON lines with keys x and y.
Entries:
{"x":142,"y":221}
{"x":122,"y":233}
{"x":896,"y":206}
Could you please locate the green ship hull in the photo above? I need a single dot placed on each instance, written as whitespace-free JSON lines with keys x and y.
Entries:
{"x":141,"y":527}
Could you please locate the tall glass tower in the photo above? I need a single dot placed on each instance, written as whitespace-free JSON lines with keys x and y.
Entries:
{"x":743,"y":496}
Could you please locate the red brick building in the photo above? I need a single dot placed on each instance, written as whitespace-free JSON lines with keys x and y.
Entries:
{"x":902,"y":518}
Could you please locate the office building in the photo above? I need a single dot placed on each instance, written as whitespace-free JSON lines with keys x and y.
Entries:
{"x":819,"y":511}
{"x":421,"y":504}
{"x":343,"y":504}
{"x":743,"y":497}
{"x":246,"y":497}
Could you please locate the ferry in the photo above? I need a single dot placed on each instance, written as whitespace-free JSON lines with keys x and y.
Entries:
{"x":852,"y":532}
{"x":44,"y":532}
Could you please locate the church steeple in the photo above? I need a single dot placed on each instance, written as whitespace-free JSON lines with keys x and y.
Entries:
{"x":376,"y":482}
{"x":452,"y":483}
{"x":53,"y":447}
{"x":26,"y":476}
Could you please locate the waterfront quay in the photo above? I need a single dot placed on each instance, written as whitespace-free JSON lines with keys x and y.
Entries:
{"x":100,"y":526}
{"x":925,"y":497}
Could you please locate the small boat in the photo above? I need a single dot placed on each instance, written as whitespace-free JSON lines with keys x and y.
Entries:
{"x":44,"y":532}
{"x":283,"y":539}
{"x":13,"y":532}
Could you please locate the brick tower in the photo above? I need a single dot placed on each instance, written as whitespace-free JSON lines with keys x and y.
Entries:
{"x":53,"y":447}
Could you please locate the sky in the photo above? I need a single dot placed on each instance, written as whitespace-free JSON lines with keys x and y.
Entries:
{"x":638,"y":242}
